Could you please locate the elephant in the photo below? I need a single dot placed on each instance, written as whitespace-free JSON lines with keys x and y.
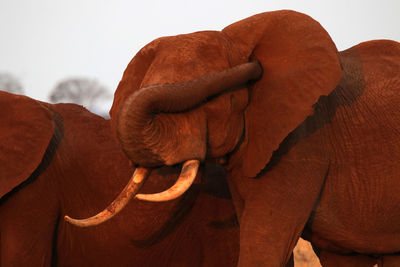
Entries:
{"x":60,"y":158}
{"x":309,"y":136}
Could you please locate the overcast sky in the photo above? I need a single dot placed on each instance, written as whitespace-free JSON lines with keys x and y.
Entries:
{"x":45,"y":41}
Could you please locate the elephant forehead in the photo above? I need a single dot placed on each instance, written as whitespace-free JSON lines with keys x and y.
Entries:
{"x":188,"y":56}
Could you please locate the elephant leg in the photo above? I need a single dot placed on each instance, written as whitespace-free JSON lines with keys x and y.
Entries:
{"x":329,"y":259}
{"x":390,"y":261}
{"x":276,"y":208}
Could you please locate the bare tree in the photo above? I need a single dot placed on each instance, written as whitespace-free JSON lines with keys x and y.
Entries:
{"x":83,"y":91}
{"x":10,"y":84}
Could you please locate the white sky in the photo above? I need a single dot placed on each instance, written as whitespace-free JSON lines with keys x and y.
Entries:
{"x":45,"y":41}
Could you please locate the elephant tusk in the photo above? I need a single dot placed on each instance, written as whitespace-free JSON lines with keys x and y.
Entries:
{"x":185,"y":180}
{"x":135,"y":183}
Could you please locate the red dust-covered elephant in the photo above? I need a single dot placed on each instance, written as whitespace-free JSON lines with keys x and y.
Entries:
{"x":58,"y":159}
{"x":309,"y":136}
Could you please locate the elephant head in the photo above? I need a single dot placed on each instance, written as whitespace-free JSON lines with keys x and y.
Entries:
{"x":233,"y":94}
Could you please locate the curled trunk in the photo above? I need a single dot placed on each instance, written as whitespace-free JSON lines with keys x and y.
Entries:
{"x":140,"y":134}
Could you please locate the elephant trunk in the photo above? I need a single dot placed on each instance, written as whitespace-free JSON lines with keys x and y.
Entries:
{"x":137,"y":129}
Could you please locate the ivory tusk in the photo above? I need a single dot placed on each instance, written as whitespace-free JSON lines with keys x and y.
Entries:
{"x":135,"y":183}
{"x":185,"y":180}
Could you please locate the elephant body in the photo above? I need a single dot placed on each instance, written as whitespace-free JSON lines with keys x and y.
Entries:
{"x":83,"y":169}
{"x":339,"y":169}
{"x":359,"y":204}
{"x":308,"y":135}
{"x":364,"y":167}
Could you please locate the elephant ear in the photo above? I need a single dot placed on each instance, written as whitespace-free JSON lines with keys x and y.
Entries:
{"x":132,"y":78}
{"x":300,"y":63}
{"x":26,"y":128}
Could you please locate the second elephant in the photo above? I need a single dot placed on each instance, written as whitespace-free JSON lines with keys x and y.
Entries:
{"x":58,"y":159}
